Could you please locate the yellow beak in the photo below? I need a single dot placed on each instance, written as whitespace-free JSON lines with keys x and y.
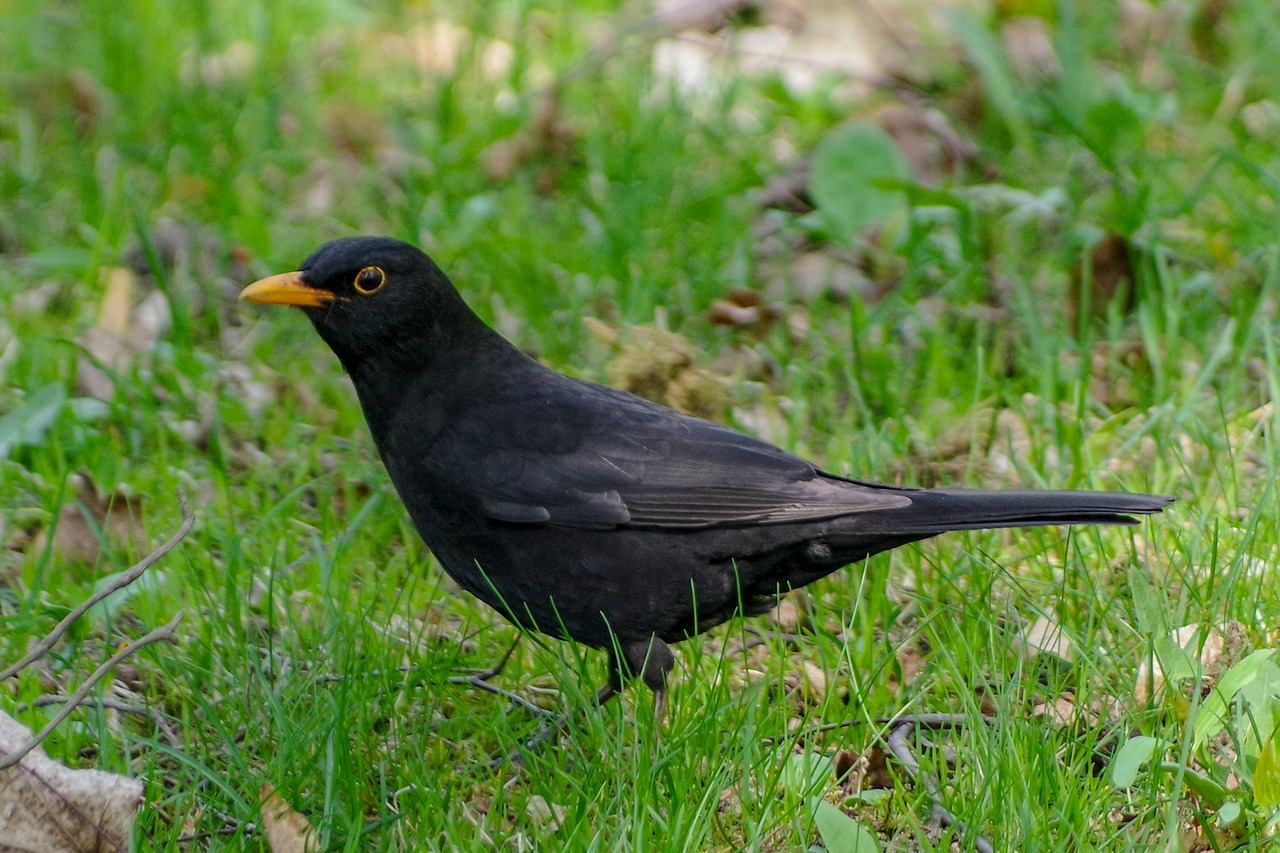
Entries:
{"x":287,"y":288}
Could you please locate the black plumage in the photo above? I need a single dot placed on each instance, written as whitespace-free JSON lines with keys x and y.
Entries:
{"x":585,"y":512}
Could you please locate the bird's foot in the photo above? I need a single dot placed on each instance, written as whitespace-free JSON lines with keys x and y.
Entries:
{"x":547,"y":732}
{"x":483,"y":680}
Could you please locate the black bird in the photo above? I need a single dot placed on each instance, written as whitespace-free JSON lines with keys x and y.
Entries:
{"x":585,"y":512}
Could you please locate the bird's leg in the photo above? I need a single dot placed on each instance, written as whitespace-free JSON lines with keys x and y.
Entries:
{"x":659,"y":704}
{"x":493,"y":671}
{"x":551,"y":729}
{"x":651,"y":660}
{"x":482,"y":679}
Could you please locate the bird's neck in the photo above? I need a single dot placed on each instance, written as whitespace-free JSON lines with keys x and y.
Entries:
{"x":429,"y":368}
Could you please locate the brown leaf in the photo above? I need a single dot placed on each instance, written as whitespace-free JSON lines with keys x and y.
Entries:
{"x":548,"y":140}
{"x":543,"y":813}
{"x":926,"y":138}
{"x":866,"y":772}
{"x":1105,"y":276}
{"x":287,"y":830}
{"x":815,"y":681}
{"x":84,"y":523}
{"x":911,"y":661}
{"x":46,"y":807}
{"x":125,"y":327}
{"x":787,"y":617}
{"x":1046,"y":636}
{"x":724,"y":313}
{"x":1061,"y":710}
{"x":1029,"y":46}
{"x":1219,"y":650}
{"x":355,"y":130}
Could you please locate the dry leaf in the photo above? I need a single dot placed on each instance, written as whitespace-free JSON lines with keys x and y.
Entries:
{"x":911,"y":661}
{"x":543,"y":813}
{"x":549,"y":140}
{"x":122,"y":330}
{"x":926,"y":138}
{"x":1046,"y":636}
{"x":1106,"y":275}
{"x":1061,"y":710}
{"x":787,"y":617}
{"x":1218,"y":652}
{"x":46,"y":807}
{"x":866,"y":772}
{"x":815,"y":681}
{"x":287,"y":830}
{"x":1029,"y":46}
{"x":800,"y":43}
{"x":118,"y":516}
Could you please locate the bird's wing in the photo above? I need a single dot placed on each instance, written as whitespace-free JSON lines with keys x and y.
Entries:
{"x":595,"y":457}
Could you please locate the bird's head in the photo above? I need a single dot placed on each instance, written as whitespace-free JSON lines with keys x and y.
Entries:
{"x":370,"y":295}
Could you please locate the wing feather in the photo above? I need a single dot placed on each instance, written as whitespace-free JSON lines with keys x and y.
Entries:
{"x":595,"y":457}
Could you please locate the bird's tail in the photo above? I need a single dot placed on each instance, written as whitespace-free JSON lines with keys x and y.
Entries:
{"x":938,"y":510}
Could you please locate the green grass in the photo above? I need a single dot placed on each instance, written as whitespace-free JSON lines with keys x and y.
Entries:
{"x":225,"y":141}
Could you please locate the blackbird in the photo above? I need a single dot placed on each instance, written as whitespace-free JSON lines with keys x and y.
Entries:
{"x":584,"y":512}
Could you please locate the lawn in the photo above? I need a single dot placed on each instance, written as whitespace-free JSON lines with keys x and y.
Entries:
{"x":1025,"y":246}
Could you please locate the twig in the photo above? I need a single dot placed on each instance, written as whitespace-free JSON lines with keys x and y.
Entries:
{"x":513,"y":698}
{"x":933,"y":722}
{"x":897,"y":744}
{"x":165,"y":632}
{"x":158,"y":718}
{"x":120,"y":582}
{"x":482,"y":679}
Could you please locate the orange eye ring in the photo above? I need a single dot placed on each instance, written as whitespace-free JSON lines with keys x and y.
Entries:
{"x":369,"y":280}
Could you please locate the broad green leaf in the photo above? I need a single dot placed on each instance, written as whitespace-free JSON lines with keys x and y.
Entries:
{"x":805,"y":773}
{"x":150,"y":582}
{"x":999,"y":83}
{"x":1150,"y":613}
{"x":1176,"y":662}
{"x":853,"y":166}
{"x":28,"y":423}
{"x":871,"y":796}
{"x":1211,"y":716}
{"x":1266,"y":776}
{"x":1262,"y":698}
{"x":841,"y":833}
{"x":1229,"y":813}
{"x":1130,"y":757}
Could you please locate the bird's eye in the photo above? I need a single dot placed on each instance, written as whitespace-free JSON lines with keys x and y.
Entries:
{"x":370,"y":280}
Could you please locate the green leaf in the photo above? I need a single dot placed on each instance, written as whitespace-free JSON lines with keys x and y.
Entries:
{"x":841,"y":833}
{"x":1266,"y":776}
{"x":28,"y":423}
{"x":1113,"y":126}
{"x":871,"y":796}
{"x":1148,"y":610}
{"x":88,"y":409}
{"x":1229,"y":813}
{"x":853,"y":167}
{"x":1176,"y":662}
{"x":805,"y":773}
{"x":1210,"y":792}
{"x":1211,"y":716}
{"x":1130,"y":757}
{"x":1262,"y":699}
{"x":999,"y":83}
{"x":109,"y":608}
